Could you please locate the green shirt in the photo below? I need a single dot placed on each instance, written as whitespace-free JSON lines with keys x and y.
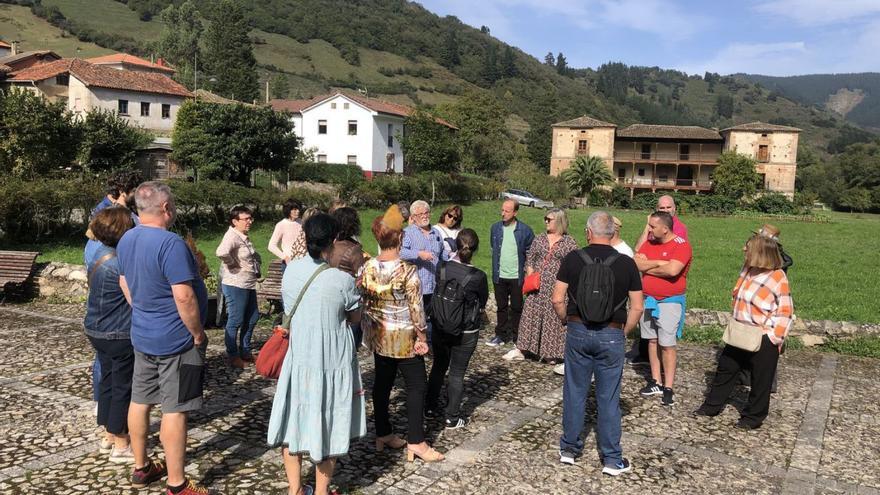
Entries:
{"x":509,"y":262}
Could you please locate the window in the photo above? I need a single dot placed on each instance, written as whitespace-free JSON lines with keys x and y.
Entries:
{"x":582,"y":147}
{"x":763,"y":153}
{"x":345,"y":106}
{"x":352,"y":160}
{"x":77,"y":105}
{"x":333,"y":106}
{"x":763,"y":135}
{"x":322,"y":127}
{"x":621,"y":173}
{"x":145,"y":109}
{"x":389,"y":163}
{"x":684,"y":152}
{"x":122,"y":107}
{"x":352,"y":127}
{"x":166,"y":111}
{"x":646,"y":152}
{"x":322,"y":158}
{"x":390,"y":135}
{"x":641,"y":172}
{"x":62,"y":80}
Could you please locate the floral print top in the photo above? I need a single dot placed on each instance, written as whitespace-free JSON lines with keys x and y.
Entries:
{"x":392,"y":307}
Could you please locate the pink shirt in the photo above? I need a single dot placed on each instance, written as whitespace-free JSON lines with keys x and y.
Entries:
{"x":679,"y":229}
{"x":287,"y":232}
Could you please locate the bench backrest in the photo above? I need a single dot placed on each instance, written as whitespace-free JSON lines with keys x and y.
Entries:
{"x":16,"y":266}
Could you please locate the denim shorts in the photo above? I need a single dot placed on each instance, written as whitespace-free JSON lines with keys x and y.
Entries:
{"x":174,"y":381}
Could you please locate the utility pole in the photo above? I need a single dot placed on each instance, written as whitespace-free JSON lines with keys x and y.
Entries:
{"x":196,"y":72}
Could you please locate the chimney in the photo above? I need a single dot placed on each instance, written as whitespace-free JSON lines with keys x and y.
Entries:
{"x":160,"y":62}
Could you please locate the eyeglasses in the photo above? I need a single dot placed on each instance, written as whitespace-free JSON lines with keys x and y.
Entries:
{"x":548,"y":219}
{"x":246,"y":219}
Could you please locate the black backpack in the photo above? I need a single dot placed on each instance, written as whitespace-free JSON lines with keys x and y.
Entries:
{"x":595,"y":292}
{"x":448,"y":304}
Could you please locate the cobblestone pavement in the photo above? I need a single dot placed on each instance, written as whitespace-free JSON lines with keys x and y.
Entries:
{"x":822,"y":436}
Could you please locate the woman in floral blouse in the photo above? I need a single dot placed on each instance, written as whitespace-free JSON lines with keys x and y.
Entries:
{"x":395,"y":327}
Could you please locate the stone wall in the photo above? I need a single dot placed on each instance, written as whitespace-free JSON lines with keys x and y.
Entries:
{"x":62,"y":281}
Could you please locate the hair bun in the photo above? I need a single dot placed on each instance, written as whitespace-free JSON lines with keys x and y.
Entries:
{"x":393,"y":219}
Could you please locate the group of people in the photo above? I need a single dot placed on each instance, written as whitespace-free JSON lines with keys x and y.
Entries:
{"x":418,"y":294}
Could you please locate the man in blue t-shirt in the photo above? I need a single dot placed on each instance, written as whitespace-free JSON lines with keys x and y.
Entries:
{"x":161,"y":281}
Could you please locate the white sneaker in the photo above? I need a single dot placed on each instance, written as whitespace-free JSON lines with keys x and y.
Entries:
{"x":124,"y":456}
{"x":106,"y":444}
{"x":513,"y":355}
{"x":559,"y":369}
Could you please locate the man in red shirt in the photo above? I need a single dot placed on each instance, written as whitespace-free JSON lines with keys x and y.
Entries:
{"x":665,"y":203}
{"x":664,"y":261}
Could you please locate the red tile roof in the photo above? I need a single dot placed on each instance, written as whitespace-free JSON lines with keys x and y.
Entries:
{"x":654,"y":131}
{"x":379,"y":106}
{"x":103,"y":77}
{"x":761,"y":127}
{"x":584,"y":122}
{"x":4,"y":44}
{"x":126,"y":59}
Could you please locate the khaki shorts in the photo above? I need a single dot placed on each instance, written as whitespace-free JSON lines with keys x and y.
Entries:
{"x":664,"y":328}
{"x":175,"y":381}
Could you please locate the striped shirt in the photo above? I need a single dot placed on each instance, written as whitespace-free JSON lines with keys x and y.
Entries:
{"x":764,"y":299}
{"x":415,"y":240}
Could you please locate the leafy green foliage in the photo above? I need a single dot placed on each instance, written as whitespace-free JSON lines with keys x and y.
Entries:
{"x":483,"y":145}
{"x":587,"y":174}
{"x":230,"y":141}
{"x":431,"y":186}
{"x":523,"y":174}
{"x":32,"y":208}
{"x":229,"y":55}
{"x":428,"y":145}
{"x":108,"y":142}
{"x":36,"y":137}
{"x":735,"y":176}
{"x":774,"y":203}
{"x":179,"y":41}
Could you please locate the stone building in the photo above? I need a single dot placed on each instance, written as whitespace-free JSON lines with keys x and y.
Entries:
{"x":645,"y":157}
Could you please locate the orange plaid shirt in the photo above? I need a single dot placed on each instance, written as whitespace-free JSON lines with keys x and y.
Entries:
{"x":764,"y":299}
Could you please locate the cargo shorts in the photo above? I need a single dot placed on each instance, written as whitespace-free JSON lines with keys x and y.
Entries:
{"x":175,"y":381}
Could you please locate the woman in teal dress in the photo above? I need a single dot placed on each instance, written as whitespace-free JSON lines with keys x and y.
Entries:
{"x":319,"y":400}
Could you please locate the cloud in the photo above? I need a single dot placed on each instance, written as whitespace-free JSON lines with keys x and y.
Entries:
{"x":820,"y":12}
{"x":662,"y":18}
{"x":782,"y":58}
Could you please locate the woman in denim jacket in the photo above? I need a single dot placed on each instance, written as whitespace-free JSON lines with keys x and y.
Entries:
{"x":108,"y":327}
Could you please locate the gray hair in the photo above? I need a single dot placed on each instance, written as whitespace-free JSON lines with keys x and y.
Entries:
{"x":601,"y":223}
{"x":150,"y":196}
{"x":560,"y":218}
{"x":419,"y":205}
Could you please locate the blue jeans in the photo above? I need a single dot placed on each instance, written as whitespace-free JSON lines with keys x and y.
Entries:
{"x":241,"y":310}
{"x":593,"y":351}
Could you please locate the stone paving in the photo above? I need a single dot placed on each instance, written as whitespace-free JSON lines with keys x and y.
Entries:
{"x":822,"y":436}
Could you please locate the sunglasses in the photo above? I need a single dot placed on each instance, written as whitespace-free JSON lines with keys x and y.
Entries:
{"x":548,"y":219}
{"x":452,"y":216}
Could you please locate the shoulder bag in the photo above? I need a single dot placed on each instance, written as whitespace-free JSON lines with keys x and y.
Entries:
{"x":742,"y":335}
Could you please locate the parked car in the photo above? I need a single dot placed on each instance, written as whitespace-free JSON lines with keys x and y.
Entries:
{"x":526,"y":198}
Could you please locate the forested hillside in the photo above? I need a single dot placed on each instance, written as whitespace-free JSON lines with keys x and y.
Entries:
{"x":856,"y":96}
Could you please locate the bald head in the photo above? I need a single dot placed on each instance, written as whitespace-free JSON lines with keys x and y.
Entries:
{"x":667,"y":204}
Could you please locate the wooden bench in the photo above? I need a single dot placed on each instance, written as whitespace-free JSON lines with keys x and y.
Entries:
{"x":269,"y":290}
{"x":16,"y":268}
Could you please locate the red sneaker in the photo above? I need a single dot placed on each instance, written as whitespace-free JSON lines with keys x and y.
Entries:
{"x":153,"y":471}
{"x":192,"y":488}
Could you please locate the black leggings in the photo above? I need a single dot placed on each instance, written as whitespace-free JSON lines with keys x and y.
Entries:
{"x":114,"y":390}
{"x":453,"y":354}
{"x":414,"y":378}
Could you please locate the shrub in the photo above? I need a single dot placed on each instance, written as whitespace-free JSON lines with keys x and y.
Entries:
{"x":31,"y":209}
{"x":331,"y":173}
{"x":430,"y":186}
{"x":774,"y":203}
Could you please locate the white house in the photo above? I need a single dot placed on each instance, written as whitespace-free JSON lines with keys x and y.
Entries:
{"x":353,"y":129}
{"x":146,"y":98}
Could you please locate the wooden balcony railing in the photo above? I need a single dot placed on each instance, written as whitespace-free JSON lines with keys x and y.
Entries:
{"x":666,"y":156}
{"x":648,"y":183}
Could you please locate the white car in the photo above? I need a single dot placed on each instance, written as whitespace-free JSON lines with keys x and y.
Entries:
{"x":526,"y":198}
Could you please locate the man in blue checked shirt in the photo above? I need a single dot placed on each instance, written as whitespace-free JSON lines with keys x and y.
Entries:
{"x":423,"y":247}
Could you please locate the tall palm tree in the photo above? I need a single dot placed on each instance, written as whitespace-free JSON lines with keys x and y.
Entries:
{"x":586,"y":174}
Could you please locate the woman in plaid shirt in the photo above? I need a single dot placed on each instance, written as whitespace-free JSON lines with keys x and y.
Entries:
{"x":761,"y":297}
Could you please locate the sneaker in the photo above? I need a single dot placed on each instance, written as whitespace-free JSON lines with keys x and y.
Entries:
{"x":651,"y":389}
{"x":106,"y":444}
{"x":668,"y":397}
{"x":744,"y":425}
{"x":513,"y":355}
{"x":122,"y":456}
{"x":495,"y":341}
{"x":235,"y":362}
{"x":248,"y":358}
{"x":616,"y":470}
{"x":559,"y":369}
{"x":454,"y":425}
{"x":705,"y":411}
{"x":567,"y":457}
{"x":193,"y":488}
{"x":153,"y":471}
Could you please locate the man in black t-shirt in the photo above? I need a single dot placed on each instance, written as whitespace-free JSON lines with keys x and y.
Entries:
{"x":596,"y":348}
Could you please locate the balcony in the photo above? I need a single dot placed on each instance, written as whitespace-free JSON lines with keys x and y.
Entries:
{"x":660,"y":183}
{"x":665,"y":156}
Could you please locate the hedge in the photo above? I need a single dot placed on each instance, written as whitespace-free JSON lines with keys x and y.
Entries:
{"x":30,"y":209}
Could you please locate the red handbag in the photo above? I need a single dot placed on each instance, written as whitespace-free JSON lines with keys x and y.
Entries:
{"x":271,"y":355}
{"x":532,"y":282}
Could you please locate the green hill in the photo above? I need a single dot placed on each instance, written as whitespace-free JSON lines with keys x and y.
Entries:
{"x":400,"y":51}
{"x":854,"y":96}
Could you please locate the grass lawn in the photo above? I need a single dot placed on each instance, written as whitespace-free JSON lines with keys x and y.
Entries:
{"x":831,"y":277}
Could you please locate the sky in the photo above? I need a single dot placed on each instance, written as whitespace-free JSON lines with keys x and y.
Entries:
{"x":771,"y":37}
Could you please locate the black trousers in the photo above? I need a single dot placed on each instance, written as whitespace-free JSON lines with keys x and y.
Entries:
{"x":414,"y":379}
{"x":762,"y":365}
{"x":508,"y":297}
{"x":114,"y":389}
{"x":452,"y":353}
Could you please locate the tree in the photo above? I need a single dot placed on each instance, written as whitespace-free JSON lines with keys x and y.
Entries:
{"x":549,"y":59}
{"x":109,"y":142}
{"x":36,"y":137}
{"x":229,"y":55}
{"x":231,"y":141}
{"x":428,"y":145}
{"x":735,"y":176}
{"x":279,"y":86}
{"x":482,"y":141}
{"x":724,"y":106}
{"x":489,"y":71}
{"x":855,"y":198}
{"x":508,"y":63}
{"x":179,"y":41}
{"x":586,"y":175}
{"x":613,"y":80}
{"x":561,"y":64}
{"x":449,"y":56}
